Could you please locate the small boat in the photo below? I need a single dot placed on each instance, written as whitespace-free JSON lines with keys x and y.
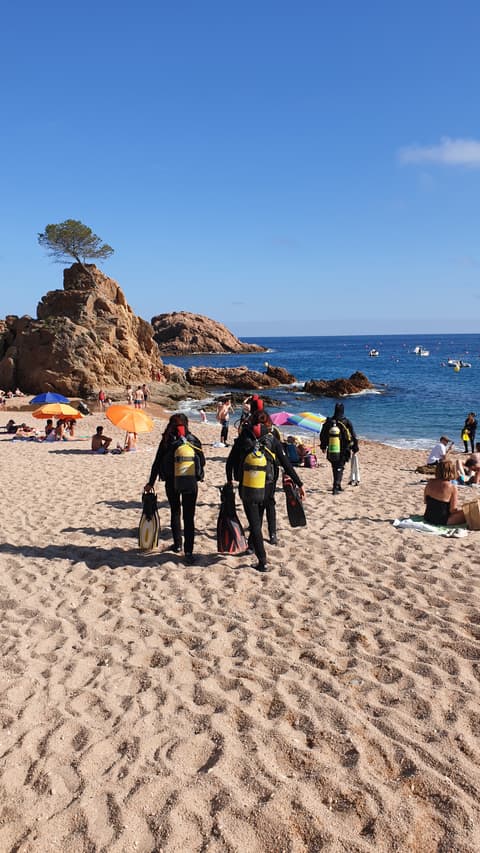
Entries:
{"x":458,"y":363}
{"x":421,"y":351}
{"x":374,"y":353}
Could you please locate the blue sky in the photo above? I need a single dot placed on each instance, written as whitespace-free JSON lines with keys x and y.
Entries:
{"x":307,"y":168}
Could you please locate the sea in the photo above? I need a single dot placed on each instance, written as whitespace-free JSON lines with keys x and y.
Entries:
{"x":415,"y":398}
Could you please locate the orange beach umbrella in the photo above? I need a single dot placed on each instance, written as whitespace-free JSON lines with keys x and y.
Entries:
{"x":57,"y":410}
{"x":131,"y":420}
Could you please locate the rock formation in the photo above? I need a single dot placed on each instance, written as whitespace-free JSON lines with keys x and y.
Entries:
{"x":338,"y":387}
{"x":85,"y":336}
{"x":231,"y":377}
{"x":283,"y":376}
{"x":182,"y":333}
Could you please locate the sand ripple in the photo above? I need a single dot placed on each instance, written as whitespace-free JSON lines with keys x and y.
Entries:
{"x":331,"y":704}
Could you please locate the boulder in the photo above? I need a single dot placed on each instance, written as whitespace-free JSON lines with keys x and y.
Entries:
{"x":85,"y":336}
{"x":283,"y":376}
{"x":338,"y":387}
{"x":182,"y":333}
{"x":232,"y":377}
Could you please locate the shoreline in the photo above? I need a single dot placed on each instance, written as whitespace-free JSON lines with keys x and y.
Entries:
{"x":161,"y":411}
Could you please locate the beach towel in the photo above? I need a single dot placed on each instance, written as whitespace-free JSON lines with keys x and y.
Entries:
{"x":416,"y":522}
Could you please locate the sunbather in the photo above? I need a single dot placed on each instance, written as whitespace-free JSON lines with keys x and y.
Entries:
{"x":441,"y":496}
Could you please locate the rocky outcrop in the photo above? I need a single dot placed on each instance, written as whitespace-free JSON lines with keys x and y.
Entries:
{"x":338,"y":387}
{"x":182,"y":333}
{"x":85,"y":336}
{"x":231,"y":377}
{"x":282,"y":375}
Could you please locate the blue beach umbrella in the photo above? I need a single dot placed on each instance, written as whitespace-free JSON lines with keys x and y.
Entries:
{"x":48,"y":397}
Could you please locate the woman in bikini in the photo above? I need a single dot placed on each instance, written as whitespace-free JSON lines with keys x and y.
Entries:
{"x":441,"y":496}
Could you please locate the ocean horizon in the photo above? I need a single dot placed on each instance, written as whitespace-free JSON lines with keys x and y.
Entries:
{"x":415,"y":398}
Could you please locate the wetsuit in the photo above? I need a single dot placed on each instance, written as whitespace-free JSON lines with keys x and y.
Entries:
{"x":255,"y":511}
{"x":163,"y":468}
{"x":347,"y":446}
{"x":436,"y":512}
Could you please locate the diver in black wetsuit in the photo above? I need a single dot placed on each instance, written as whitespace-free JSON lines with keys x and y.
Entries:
{"x":348,"y":444}
{"x":260,"y":429}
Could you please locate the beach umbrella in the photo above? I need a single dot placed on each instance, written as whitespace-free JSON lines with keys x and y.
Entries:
{"x":280,"y":418}
{"x":57,"y":410}
{"x":306,"y":423}
{"x":48,"y":397}
{"x":131,"y":420}
{"x":319,"y":419}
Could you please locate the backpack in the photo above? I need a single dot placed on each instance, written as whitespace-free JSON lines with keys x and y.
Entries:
{"x":187,"y":466}
{"x":310,"y":460}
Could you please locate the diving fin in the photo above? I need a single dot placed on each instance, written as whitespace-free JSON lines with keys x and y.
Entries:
{"x":295,"y":511}
{"x":149,"y":527}
{"x":230,"y":535}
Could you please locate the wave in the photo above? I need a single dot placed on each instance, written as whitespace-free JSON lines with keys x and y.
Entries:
{"x":365,"y":392}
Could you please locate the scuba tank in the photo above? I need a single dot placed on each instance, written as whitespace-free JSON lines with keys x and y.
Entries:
{"x":185,"y":479}
{"x":254,"y":476}
{"x":333,"y":452}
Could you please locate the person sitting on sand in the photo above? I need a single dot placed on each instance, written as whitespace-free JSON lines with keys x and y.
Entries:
{"x":60,"y":431}
{"x":441,"y":496}
{"x":473,"y":464}
{"x":11,"y":427}
{"x":100,"y":442}
{"x":70,"y":427}
{"x":130,"y":442}
{"x":439,"y":450}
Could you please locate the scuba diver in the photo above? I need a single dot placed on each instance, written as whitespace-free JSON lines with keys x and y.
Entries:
{"x":180,"y":463}
{"x":339,"y":441}
{"x":254,"y":461}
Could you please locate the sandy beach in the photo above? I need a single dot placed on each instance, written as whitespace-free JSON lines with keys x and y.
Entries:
{"x":331,"y":704}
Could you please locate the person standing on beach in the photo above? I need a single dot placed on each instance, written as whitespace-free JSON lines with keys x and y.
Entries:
{"x":180,"y":463}
{"x":101,"y":399}
{"x":469,"y":430}
{"x":223,"y":416}
{"x":138,"y":398}
{"x":146,"y":394}
{"x":259,"y":434}
{"x":338,"y":441}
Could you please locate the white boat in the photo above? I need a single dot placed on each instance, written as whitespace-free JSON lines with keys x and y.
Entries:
{"x":421,"y":351}
{"x":457,"y":362}
{"x":374,"y":353}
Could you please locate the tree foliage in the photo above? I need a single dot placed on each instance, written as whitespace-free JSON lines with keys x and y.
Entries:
{"x":73,"y":239}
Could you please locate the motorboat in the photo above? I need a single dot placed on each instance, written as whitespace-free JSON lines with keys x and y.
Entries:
{"x":458,"y":362}
{"x":374,"y":353}
{"x":421,"y":351}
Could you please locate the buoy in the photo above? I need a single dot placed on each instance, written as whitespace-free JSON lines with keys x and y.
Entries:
{"x":456,"y":369}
